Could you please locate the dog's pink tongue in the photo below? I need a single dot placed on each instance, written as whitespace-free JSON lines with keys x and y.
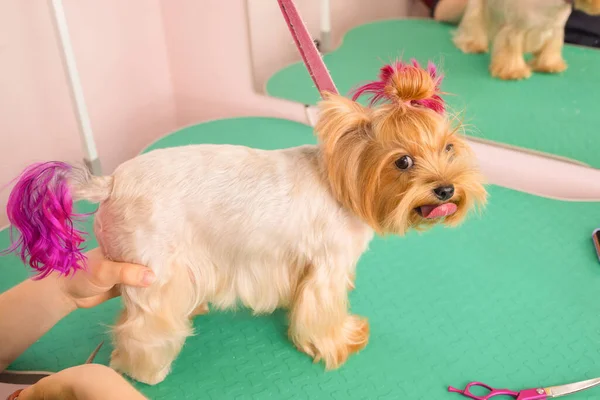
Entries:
{"x":442,"y":210}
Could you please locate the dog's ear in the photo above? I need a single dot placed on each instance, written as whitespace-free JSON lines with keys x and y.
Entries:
{"x":340,"y":117}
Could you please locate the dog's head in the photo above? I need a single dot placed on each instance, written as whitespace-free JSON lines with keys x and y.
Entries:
{"x":591,"y":7}
{"x":398,"y":163}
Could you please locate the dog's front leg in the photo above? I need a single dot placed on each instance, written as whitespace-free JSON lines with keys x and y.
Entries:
{"x":549,"y":59}
{"x":320,"y":324}
{"x":507,"y":55}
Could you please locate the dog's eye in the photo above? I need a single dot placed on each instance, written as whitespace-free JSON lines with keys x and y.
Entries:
{"x":449,"y":148}
{"x":404,"y":162}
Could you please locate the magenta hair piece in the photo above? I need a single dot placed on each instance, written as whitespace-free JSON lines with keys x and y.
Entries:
{"x":377,"y":88}
{"x":40,"y":208}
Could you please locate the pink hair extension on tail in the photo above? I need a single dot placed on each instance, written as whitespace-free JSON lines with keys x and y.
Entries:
{"x":40,"y":208}
{"x":377,"y":92}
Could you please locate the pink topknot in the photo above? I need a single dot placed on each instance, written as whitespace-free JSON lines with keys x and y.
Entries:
{"x":379,"y":90}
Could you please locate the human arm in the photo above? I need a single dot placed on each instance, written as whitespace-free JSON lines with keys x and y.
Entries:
{"x":31,"y":308}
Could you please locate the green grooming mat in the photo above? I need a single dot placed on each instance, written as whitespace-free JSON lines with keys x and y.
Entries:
{"x":510,"y":298}
{"x":556,"y":114}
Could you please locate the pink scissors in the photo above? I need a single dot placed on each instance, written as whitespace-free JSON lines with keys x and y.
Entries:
{"x":541,"y":393}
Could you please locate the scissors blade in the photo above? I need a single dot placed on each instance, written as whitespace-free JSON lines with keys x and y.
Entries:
{"x":562,"y":390}
{"x":94,"y":353}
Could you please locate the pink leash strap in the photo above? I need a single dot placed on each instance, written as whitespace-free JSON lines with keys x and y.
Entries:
{"x":310,"y":55}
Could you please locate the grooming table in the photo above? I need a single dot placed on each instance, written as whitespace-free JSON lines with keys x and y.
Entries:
{"x":509,"y":298}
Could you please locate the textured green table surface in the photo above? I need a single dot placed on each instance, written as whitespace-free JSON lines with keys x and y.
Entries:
{"x":509,"y":298}
{"x":557,"y":114}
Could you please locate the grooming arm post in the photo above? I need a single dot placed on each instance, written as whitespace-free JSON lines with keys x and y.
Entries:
{"x":85,"y":128}
{"x":325,"y":25}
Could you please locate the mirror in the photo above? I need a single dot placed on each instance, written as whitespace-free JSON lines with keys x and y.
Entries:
{"x":555,"y":114}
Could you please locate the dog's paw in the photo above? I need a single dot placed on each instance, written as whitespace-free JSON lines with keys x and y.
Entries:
{"x":469,"y":44}
{"x":140,"y":373}
{"x":553,"y":66}
{"x":334,"y":350}
{"x":202,"y":309}
{"x":510,"y":71}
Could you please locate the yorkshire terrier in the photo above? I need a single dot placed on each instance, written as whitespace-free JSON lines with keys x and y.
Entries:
{"x":223,"y":225}
{"x":517,"y":27}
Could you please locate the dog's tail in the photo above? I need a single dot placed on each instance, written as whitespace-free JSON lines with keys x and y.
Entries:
{"x":40,"y":207}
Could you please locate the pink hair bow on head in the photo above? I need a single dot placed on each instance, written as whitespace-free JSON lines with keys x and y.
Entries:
{"x":379,"y":89}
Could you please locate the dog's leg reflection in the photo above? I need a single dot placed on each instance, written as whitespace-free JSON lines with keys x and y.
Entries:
{"x":471,"y":35}
{"x":320,"y":324}
{"x":549,"y":59}
{"x":507,"y":55}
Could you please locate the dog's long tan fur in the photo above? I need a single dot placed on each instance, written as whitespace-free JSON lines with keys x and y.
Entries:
{"x":223,"y":225}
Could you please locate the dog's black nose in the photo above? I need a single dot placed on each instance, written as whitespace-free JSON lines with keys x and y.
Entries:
{"x":444,"y":192}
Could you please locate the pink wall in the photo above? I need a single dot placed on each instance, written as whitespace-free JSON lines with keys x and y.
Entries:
{"x":36,"y":120}
{"x":209,"y":55}
{"x":147,"y":68}
{"x":122,"y":57}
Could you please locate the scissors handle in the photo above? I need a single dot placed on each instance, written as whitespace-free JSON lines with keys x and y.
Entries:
{"x":492,"y":392}
{"x":528,"y":394}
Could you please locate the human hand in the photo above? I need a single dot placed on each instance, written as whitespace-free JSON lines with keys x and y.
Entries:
{"x":99,"y":281}
{"x":32,"y":307}
{"x":83,"y":382}
{"x":55,"y":386}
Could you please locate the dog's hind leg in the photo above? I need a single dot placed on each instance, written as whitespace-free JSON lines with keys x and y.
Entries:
{"x":471,"y":35}
{"x":153,"y":326}
{"x":507,"y":55}
{"x":549,"y":59}
{"x":320,"y":324}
